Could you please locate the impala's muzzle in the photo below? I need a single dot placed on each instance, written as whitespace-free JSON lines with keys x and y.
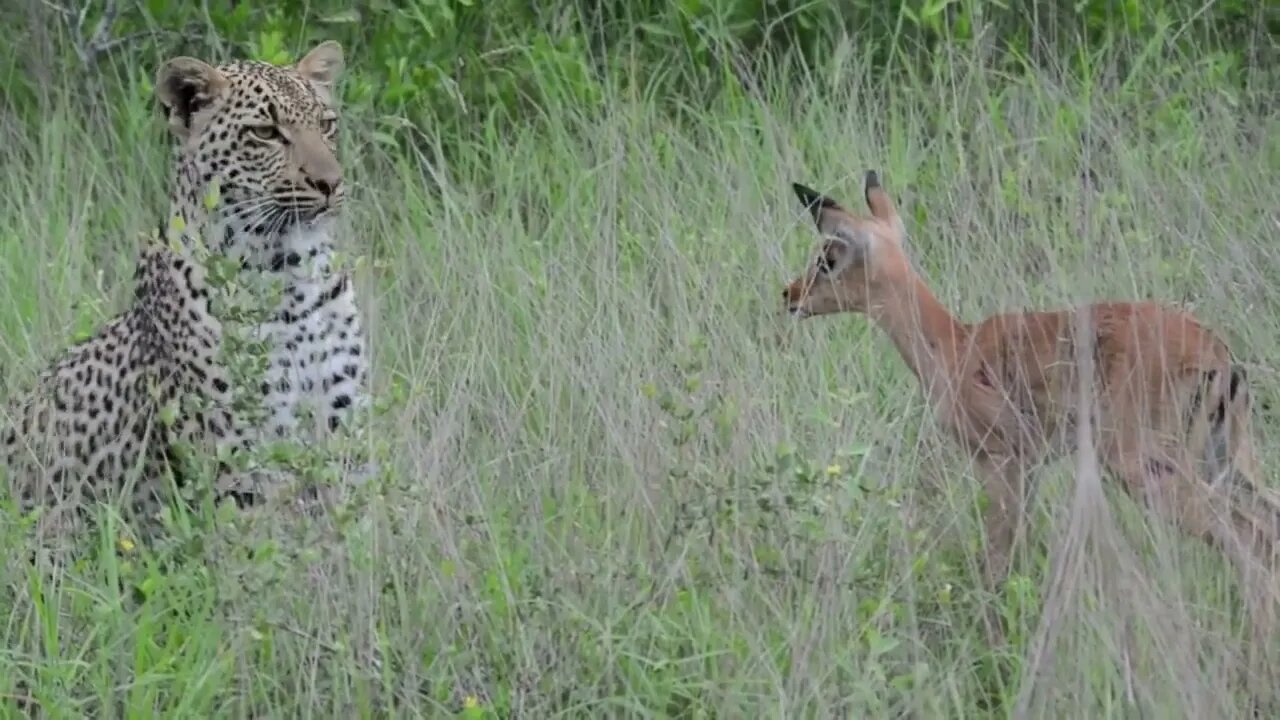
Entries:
{"x":794,"y":296}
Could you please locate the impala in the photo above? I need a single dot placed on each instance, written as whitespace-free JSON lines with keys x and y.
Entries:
{"x":1170,"y":410}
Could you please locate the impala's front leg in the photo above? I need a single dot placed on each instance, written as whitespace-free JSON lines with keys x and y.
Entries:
{"x":1004,"y":479}
{"x":998,"y":440}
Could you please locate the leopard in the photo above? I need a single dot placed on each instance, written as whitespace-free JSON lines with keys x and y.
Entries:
{"x":256,"y":177}
{"x":265,"y":139}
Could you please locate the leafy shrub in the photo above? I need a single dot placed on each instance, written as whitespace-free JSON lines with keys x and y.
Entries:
{"x":453,"y":68}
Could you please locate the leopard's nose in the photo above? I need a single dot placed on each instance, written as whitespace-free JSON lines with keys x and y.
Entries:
{"x":326,"y":186}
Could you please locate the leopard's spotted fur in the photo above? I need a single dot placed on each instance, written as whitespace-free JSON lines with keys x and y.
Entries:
{"x":264,"y":138}
{"x":92,"y":421}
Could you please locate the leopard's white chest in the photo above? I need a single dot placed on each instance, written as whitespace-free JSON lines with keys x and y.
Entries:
{"x":317,"y":358}
{"x":316,"y":351}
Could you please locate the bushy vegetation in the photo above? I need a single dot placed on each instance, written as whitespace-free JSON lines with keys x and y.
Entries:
{"x":617,"y":482}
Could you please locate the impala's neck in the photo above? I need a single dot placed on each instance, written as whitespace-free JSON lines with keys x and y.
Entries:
{"x":926,"y":334}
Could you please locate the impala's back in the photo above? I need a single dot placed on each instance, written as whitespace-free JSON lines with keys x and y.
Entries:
{"x":1149,"y":363}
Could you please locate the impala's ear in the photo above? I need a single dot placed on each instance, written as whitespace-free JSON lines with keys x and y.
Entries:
{"x":879,"y":202}
{"x":322,"y":66}
{"x":827,"y":213}
{"x":184,"y":87}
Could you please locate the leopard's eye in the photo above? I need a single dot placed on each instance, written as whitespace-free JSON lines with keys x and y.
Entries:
{"x":328,"y":125}
{"x":266,"y":132}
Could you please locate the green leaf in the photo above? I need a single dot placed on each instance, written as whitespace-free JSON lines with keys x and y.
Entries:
{"x":342,"y":17}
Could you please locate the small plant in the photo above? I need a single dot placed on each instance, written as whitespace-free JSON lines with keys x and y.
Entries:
{"x":287,"y":473}
{"x":785,"y":502}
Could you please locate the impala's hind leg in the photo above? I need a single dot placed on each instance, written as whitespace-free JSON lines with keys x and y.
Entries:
{"x":1170,"y":482}
{"x":1232,"y":468}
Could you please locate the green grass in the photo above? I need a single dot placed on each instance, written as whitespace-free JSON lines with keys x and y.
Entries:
{"x":628,"y":486}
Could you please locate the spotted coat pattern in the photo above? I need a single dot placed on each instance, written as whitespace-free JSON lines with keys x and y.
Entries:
{"x":271,"y":147}
{"x":262,"y":139}
{"x":93,"y":419}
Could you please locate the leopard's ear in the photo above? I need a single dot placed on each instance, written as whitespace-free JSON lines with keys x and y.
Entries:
{"x":323,"y":67}
{"x":185,"y":86}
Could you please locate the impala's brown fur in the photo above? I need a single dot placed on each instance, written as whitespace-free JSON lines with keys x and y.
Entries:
{"x":1170,"y":411}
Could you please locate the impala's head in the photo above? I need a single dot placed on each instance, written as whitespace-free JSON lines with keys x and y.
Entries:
{"x":858,"y":253}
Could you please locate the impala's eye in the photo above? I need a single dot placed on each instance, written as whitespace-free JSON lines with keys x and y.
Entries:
{"x":827,"y":259}
{"x":266,"y":132}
